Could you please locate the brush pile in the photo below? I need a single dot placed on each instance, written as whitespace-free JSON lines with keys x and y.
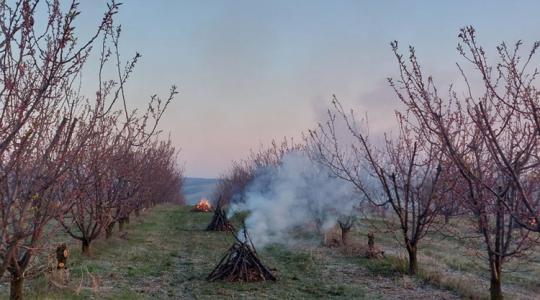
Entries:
{"x":241,"y":263}
{"x":220,"y":222}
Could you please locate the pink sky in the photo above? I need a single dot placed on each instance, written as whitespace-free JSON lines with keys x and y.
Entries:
{"x":250,"y":71}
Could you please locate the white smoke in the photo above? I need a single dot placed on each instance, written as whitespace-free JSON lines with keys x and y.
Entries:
{"x":294,"y":194}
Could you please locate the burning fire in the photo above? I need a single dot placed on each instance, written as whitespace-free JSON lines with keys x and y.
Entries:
{"x":203,"y":206}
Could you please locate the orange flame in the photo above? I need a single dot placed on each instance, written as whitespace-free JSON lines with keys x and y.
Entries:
{"x":203,"y":205}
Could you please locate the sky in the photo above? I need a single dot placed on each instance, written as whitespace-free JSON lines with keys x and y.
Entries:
{"x":251,"y":71}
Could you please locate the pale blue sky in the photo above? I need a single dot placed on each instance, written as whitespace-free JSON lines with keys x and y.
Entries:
{"x":249,"y":71}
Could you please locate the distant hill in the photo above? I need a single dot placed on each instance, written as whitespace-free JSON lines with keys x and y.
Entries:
{"x":197,"y":188}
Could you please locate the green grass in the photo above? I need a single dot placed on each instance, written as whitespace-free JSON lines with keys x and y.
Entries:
{"x":388,"y":266}
{"x":167,"y":254}
{"x":453,"y":263}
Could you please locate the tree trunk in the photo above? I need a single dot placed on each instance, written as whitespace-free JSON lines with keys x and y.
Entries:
{"x":137,"y":212}
{"x":127,"y":219}
{"x":371,"y":242}
{"x":319,"y":226}
{"x":86,"y":247}
{"x":109,"y":230}
{"x":446,"y":219}
{"x":480,"y":226}
{"x":16,"y":288}
{"x":345,"y":235}
{"x":495,"y":287}
{"x":121,"y":224}
{"x":413,"y":261}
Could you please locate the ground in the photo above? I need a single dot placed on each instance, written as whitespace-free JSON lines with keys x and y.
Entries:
{"x":167,"y":254}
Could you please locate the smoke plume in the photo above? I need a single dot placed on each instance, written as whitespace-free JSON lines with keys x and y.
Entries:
{"x":296,"y":193}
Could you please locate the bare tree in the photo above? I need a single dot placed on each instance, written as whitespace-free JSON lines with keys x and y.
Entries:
{"x":346,"y":222}
{"x":108,"y":176}
{"x":490,"y":138}
{"x":39,"y":112}
{"x":46,"y":125}
{"x":406,"y":173}
{"x":92,"y":182}
{"x":506,"y":115}
{"x":232,"y":185}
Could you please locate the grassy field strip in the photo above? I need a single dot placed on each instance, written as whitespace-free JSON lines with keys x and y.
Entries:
{"x":166,"y":254}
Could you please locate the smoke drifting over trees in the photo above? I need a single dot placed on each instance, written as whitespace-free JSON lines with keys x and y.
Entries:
{"x":293,"y":194}
{"x":473,"y":153}
{"x":82,"y":165}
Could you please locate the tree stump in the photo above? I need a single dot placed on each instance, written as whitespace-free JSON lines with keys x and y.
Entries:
{"x":109,"y":230}
{"x":62,"y":254}
{"x":121,"y":223}
{"x":372,"y":251}
{"x":371,"y":241}
{"x":61,"y":274}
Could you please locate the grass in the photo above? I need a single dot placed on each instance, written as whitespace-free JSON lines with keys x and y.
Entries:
{"x":388,"y":266}
{"x":452,"y":263}
{"x":167,"y":254}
